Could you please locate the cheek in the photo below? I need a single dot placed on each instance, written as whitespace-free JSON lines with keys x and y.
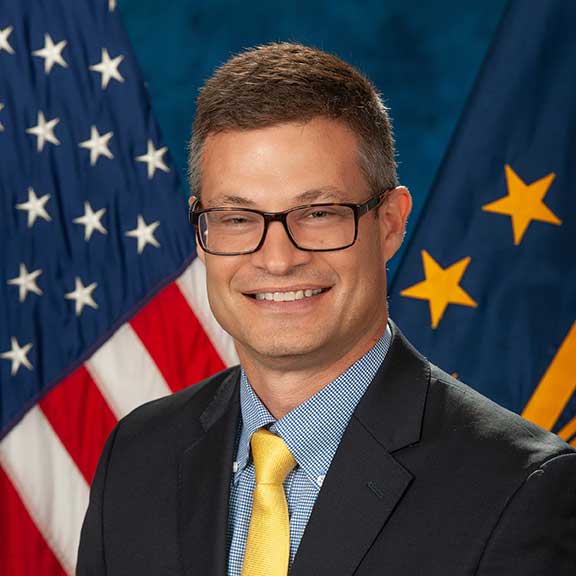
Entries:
{"x":363,"y":263}
{"x":223,"y":308}
{"x":218,"y":277}
{"x":364,"y":276}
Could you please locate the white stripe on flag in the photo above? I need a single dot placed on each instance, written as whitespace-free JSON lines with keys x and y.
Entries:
{"x":49,"y":483}
{"x":125,"y":372}
{"x":192,"y":284}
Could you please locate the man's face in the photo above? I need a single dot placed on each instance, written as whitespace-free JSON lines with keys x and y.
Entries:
{"x":274,"y":169}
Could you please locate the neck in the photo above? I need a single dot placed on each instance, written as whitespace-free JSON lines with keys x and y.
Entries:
{"x":284,"y":384}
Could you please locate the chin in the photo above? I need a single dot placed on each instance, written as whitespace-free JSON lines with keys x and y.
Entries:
{"x":280,"y":348}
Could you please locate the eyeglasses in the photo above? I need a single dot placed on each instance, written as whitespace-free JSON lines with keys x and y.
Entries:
{"x":313,"y":227}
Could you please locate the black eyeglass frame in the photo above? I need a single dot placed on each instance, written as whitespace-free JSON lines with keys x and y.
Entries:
{"x":359,"y":209}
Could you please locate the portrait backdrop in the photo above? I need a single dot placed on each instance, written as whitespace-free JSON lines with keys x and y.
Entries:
{"x":103,"y":302}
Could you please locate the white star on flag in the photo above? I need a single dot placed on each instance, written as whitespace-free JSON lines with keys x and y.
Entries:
{"x":35,"y":207}
{"x":154,"y":159}
{"x":82,"y":296}
{"x":52,"y":53}
{"x":44,"y":131}
{"x":91,"y":221}
{"x":17,"y":355}
{"x":144,"y":233}
{"x":4,"y":44}
{"x":1,"y":125}
{"x":26,"y":282}
{"x":98,"y":145}
{"x":108,"y":68}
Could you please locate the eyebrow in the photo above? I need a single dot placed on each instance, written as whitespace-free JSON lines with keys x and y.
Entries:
{"x":230,"y":199}
{"x":324,"y":193}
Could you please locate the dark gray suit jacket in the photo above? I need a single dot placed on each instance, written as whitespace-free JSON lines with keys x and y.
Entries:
{"x":430,"y":478}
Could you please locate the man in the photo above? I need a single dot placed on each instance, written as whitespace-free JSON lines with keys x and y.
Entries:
{"x":336,"y":448}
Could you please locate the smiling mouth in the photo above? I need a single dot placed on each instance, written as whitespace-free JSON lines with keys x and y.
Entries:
{"x":289,"y":296}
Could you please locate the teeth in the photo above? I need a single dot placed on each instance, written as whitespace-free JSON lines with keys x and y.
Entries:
{"x":287,"y":296}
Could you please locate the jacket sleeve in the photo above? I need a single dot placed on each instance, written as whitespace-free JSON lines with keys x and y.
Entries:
{"x":536,"y":532}
{"x":91,"y":556}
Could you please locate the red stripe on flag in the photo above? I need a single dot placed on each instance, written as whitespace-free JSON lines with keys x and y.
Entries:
{"x":175,"y":339}
{"x":23,"y":550}
{"x":81,"y":417}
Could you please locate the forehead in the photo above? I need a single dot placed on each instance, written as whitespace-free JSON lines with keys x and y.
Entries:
{"x":314,"y":161}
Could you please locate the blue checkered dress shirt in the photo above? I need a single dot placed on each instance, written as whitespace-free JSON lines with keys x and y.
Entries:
{"x":312,"y":432}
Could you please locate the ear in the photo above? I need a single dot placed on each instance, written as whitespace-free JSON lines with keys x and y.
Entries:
{"x":393,"y":215}
{"x":201,"y":254}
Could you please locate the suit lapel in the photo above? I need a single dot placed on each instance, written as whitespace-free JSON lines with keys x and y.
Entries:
{"x":365,"y":482}
{"x":360,"y":491}
{"x":205,"y":472}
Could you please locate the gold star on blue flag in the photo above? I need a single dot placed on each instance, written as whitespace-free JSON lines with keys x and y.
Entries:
{"x":487,"y":286}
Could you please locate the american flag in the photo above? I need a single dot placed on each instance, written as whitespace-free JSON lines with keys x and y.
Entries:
{"x":103,"y":303}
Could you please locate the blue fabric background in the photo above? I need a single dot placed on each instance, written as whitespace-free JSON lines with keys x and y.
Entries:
{"x":423,"y":57}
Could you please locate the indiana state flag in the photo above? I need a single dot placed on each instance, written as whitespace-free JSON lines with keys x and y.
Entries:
{"x":487,"y":286}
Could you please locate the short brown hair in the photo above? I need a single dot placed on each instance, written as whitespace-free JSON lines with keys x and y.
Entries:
{"x":286,"y":82}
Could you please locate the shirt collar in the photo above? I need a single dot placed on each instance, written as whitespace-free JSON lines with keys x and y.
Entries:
{"x":312,"y":431}
{"x":254,"y":416}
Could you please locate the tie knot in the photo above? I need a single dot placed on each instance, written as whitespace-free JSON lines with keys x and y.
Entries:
{"x":272,"y":458}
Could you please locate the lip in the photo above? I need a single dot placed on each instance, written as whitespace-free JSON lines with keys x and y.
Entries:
{"x":286,"y":289}
{"x":290,"y":306}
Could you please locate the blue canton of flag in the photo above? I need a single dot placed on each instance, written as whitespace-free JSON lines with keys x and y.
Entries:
{"x":487,"y":287}
{"x":93,"y":218}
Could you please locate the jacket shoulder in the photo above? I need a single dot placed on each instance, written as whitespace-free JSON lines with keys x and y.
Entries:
{"x":183,"y":408}
{"x":480,"y":422}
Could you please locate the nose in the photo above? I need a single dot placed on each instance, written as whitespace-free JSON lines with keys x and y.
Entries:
{"x":278,"y":255}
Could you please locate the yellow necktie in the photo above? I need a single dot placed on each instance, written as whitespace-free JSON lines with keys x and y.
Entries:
{"x":268,"y":545}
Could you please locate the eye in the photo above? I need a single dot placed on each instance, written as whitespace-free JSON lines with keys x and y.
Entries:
{"x":319,"y":214}
{"x":327,"y":215}
{"x":234,"y":220}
